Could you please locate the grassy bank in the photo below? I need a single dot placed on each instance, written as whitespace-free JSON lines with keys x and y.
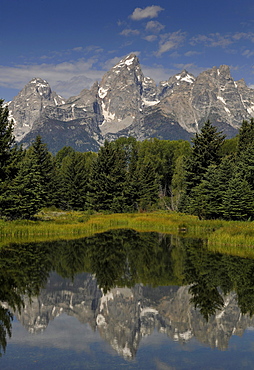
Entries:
{"x":227,"y":237}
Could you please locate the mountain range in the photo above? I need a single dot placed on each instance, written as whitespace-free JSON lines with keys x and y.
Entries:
{"x":126,"y":103}
{"x":124,"y":316}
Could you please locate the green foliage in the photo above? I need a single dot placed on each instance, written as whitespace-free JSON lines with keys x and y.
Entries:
{"x":107,"y":179}
{"x":44,"y":162}
{"x":237,"y":201}
{"x":205,"y":152}
{"x":229,"y":147}
{"x":25,"y":195}
{"x":6,"y":139}
{"x":74,"y":176}
{"x":246,"y":135}
{"x":127,"y":175}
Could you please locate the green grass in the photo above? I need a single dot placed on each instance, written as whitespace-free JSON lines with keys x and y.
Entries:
{"x":231,"y":237}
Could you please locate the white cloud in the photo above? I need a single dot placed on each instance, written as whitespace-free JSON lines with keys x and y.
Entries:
{"x":150,"y":38}
{"x":170,"y":41}
{"x":244,"y":35}
{"x":217,"y":39}
{"x":148,"y":12}
{"x":158,"y":73}
{"x":220,"y":40}
{"x":248,"y":53}
{"x":154,"y":26}
{"x":78,"y":75}
{"x":190,"y":53}
{"x":129,"y":32}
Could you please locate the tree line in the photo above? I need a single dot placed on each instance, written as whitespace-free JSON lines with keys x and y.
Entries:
{"x":211,"y":178}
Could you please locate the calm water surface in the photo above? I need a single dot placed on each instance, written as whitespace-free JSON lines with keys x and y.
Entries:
{"x":124,"y":299}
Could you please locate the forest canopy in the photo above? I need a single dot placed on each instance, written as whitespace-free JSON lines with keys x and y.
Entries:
{"x":212,"y":177}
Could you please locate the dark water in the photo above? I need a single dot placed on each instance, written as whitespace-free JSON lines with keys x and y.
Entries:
{"x":124,"y":299}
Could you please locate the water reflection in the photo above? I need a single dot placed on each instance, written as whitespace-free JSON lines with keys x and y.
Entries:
{"x":125,"y":284}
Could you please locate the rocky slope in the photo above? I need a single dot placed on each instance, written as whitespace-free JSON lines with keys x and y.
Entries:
{"x":124,"y":315}
{"x":126,"y":103}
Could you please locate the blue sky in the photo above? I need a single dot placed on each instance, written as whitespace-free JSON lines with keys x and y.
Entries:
{"x":73,"y":43}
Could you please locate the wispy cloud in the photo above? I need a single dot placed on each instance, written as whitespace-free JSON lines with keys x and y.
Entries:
{"x":154,"y":26}
{"x":212,"y":40}
{"x":170,"y":41}
{"x":160,"y":73}
{"x":148,"y":12}
{"x":77,"y":75}
{"x":244,"y":35}
{"x":150,"y":38}
{"x":129,"y":32}
{"x":219,"y":40}
{"x":191,"y":53}
{"x":248,"y":53}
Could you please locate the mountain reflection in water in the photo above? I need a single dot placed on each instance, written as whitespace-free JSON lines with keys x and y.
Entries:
{"x":126,"y":284}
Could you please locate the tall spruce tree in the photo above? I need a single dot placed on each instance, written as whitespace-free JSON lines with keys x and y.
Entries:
{"x":74,"y":177}
{"x":147,"y":186}
{"x":206,"y":200}
{"x":10,"y":157}
{"x":25,"y":196}
{"x":45,"y":166}
{"x":6,"y":138}
{"x":237,"y":201}
{"x":205,"y":152}
{"x":245,"y":136}
{"x":107,"y":180}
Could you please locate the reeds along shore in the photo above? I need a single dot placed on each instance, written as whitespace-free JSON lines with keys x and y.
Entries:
{"x":233,"y":237}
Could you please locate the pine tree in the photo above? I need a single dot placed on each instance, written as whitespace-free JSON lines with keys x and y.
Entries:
{"x":25,"y":196}
{"x":205,"y":152}
{"x":148,"y":186}
{"x":74,"y":177}
{"x":246,"y":135}
{"x":245,"y":164}
{"x":6,"y":139}
{"x":206,"y":200}
{"x":107,"y":180}
{"x":238,"y":199}
{"x":45,"y":165}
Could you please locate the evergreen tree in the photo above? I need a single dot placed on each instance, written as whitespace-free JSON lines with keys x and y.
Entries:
{"x":74,"y":177}
{"x":205,"y":152}
{"x":107,"y":180}
{"x":238,"y":199}
{"x":25,"y":196}
{"x":62,"y":153}
{"x":147,"y":185}
{"x":6,"y":139}
{"x":206,"y":200}
{"x":245,"y":164}
{"x":246,"y":135}
{"x":44,"y":161}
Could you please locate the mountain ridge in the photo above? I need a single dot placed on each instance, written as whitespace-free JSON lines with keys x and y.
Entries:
{"x":126,"y":103}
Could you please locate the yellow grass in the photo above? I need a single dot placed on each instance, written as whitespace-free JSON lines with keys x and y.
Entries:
{"x":222,"y":236}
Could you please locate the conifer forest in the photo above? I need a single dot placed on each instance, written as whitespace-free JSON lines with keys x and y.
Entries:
{"x":211,"y":177}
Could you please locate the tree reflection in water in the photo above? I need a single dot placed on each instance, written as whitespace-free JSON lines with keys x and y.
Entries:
{"x":123,"y":258}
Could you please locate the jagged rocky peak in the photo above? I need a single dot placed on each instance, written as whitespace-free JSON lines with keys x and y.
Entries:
{"x":29,"y":104}
{"x":120,"y":94}
{"x":184,"y":76}
{"x":41,"y":87}
{"x":180,"y":81}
